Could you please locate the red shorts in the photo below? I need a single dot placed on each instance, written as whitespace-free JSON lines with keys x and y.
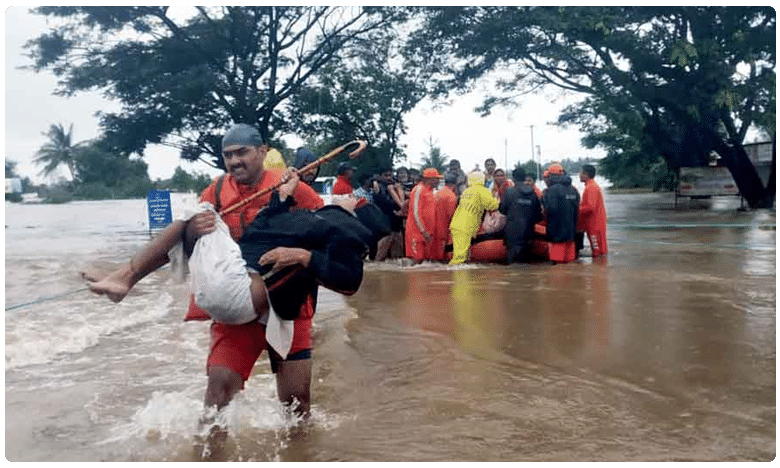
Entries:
{"x":562,"y":252}
{"x":237,"y":347}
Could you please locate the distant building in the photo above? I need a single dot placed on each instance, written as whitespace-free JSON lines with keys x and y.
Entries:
{"x":13,"y":185}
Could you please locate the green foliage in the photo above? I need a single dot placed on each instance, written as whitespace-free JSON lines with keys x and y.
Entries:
{"x":182,"y":81}
{"x":59,"y":150}
{"x":134,"y":188}
{"x":93,"y":191}
{"x":681,"y":81}
{"x":435,"y":158}
{"x":98,"y":171}
{"x":10,"y":169}
{"x":61,"y":192}
{"x":364,"y":96}
{"x":532,"y":168}
{"x":13,"y":197}
{"x":183,"y":181}
{"x":95,"y":164}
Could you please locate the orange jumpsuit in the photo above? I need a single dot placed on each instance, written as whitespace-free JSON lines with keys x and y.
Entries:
{"x":446,"y":202}
{"x":342,"y":186}
{"x":421,"y":219}
{"x":592,"y":218}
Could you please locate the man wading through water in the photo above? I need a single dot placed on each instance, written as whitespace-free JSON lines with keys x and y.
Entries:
{"x":236,"y":347}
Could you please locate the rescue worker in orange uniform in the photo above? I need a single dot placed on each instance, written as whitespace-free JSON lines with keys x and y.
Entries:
{"x":446,"y":202}
{"x":592,"y":218}
{"x":343,"y":185}
{"x":421,"y":220}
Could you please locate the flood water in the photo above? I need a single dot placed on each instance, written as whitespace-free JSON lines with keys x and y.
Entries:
{"x":666,"y":351}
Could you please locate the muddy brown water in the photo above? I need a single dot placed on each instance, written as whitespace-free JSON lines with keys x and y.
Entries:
{"x":665,"y":351}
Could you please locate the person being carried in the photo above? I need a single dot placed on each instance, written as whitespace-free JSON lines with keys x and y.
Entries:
{"x":474,"y":201}
{"x":235,"y":282}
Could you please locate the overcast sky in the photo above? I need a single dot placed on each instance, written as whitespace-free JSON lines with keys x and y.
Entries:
{"x":31,"y":108}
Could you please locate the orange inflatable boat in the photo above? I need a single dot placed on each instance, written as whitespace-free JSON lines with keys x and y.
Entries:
{"x":493,"y":250}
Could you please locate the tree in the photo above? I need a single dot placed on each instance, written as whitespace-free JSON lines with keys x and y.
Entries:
{"x":694,"y":78}
{"x":364,"y":95}
{"x":59,"y":150}
{"x":96,"y":163}
{"x":185,"y":182}
{"x":182,"y":80}
{"x":435,"y":158}
{"x":10,"y":169}
{"x":532,"y":168}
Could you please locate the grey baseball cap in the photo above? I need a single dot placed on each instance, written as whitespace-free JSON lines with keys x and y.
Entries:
{"x":242,"y":134}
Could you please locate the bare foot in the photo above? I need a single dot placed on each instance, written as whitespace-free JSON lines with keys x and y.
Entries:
{"x":94,"y":274}
{"x":116,"y":285}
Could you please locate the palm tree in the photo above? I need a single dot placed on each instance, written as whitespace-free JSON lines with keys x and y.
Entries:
{"x":58,"y":150}
{"x":435,"y":158}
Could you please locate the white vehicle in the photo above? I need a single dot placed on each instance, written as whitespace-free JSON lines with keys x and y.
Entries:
{"x":324,"y":187}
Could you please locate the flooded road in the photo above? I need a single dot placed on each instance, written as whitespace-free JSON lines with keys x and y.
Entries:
{"x":666,"y":351}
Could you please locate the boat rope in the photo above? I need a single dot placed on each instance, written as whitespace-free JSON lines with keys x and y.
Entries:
{"x":46,"y":298}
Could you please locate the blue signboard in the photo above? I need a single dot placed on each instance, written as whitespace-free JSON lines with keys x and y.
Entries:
{"x":159,"y":203}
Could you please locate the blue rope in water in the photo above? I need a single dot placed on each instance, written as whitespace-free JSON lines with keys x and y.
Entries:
{"x":45,"y":298}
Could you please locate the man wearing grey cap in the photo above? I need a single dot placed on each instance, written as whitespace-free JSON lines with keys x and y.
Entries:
{"x":235,"y":348}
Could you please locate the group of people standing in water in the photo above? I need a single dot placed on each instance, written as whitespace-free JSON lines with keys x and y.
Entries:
{"x":277,"y":242}
{"x":427,"y":218}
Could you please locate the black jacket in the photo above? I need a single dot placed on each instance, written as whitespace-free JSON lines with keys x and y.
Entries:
{"x":338,"y":241}
{"x":561,"y":205}
{"x":522,"y":209}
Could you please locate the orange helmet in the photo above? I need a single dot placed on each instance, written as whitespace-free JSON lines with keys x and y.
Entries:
{"x":555,"y":169}
{"x":431,"y":173}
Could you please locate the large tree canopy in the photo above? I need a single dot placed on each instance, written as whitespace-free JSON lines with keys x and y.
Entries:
{"x":695,"y":79}
{"x":364,"y":95}
{"x":181,"y":79}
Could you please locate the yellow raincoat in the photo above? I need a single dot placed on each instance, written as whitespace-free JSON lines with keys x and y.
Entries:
{"x":474,"y":201}
{"x":274,"y":160}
